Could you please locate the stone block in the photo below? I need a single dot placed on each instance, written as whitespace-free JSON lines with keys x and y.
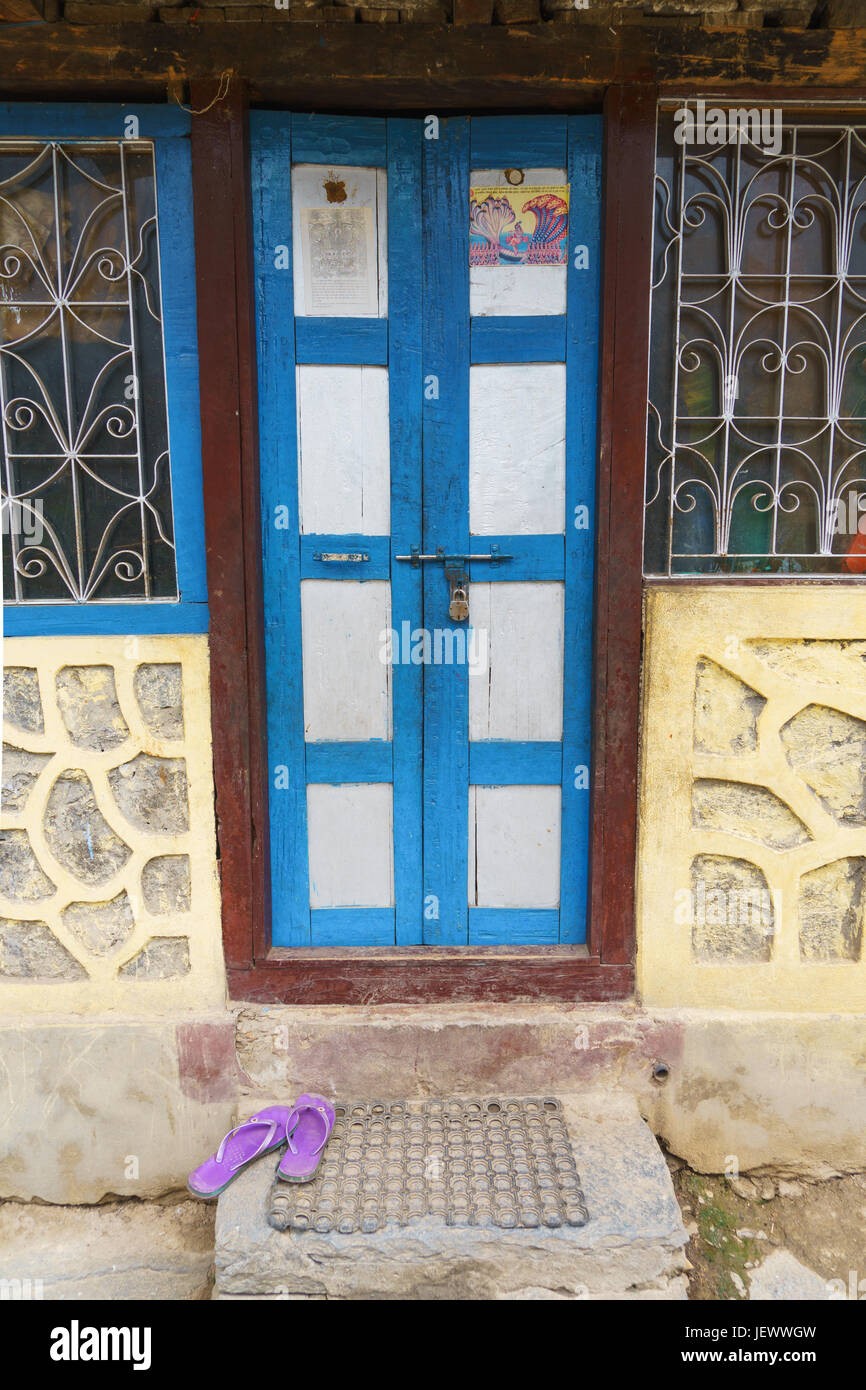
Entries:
{"x":675,"y":9}
{"x":837,"y":665}
{"x":82,"y":12}
{"x":90,"y":1110}
{"x":733,"y":910}
{"x":165,"y":884}
{"x":832,"y":904}
{"x":827,"y":748}
{"x":193,"y":14}
{"x":750,"y":812}
{"x":633,"y":1240}
{"x":158,"y":687}
{"x":89,"y":708}
{"x":152,"y":793}
{"x":116,"y":1252}
{"x":30,"y":951}
{"x":568,"y":11}
{"x":844,"y":14}
{"x":78,"y":834}
{"x":22,"y":703}
{"x":22,"y":878}
{"x":20,"y":771}
{"x":100,"y":928}
{"x":160,"y":958}
{"x":424,"y":12}
{"x":726,"y":711}
{"x":517,"y":11}
{"x":790,"y":15}
{"x":473,"y":12}
{"x":781,"y":1278}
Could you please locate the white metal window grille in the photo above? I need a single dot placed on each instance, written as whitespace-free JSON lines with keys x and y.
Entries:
{"x":86,"y":486}
{"x":757,"y":390}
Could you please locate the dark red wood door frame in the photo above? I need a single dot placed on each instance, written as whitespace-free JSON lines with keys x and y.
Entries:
{"x":224,"y":276}
{"x":629,"y":192}
{"x":227,"y":377}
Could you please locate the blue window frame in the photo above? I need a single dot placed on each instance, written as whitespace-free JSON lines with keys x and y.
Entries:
{"x":164,"y":131}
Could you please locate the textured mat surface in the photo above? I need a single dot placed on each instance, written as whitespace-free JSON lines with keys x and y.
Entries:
{"x":504,"y":1162}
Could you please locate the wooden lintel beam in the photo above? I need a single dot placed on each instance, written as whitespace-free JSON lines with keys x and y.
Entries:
{"x":415,"y":68}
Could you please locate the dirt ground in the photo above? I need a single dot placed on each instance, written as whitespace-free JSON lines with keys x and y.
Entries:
{"x":735,"y":1223}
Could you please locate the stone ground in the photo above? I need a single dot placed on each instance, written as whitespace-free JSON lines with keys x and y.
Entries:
{"x":766,"y":1237}
{"x":749,"y":1238}
{"x":160,"y":1250}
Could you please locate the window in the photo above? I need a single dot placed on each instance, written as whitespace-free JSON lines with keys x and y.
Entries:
{"x":86,"y":474}
{"x":756,"y":448}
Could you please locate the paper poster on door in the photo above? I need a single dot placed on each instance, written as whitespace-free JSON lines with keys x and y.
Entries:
{"x":518,"y":226}
{"x":340,"y":271}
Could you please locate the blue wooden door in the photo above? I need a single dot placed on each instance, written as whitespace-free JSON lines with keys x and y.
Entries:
{"x":427,"y":304}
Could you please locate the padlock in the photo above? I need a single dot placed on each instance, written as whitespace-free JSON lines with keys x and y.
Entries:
{"x":458,"y":608}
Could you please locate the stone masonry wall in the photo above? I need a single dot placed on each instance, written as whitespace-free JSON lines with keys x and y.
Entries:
{"x":752,"y":864}
{"x":108,"y":889}
{"x":751,"y":14}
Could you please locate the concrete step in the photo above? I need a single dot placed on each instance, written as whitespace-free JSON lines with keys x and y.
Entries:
{"x":449,"y":1049}
{"x":630,"y":1243}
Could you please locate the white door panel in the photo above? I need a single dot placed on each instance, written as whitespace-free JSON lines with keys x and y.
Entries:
{"x":347,"y":687}
{"x":514,"y":846}
{"x":351,"y":836}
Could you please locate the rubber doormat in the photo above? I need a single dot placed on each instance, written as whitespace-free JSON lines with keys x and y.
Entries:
{"x":491,"y":1162}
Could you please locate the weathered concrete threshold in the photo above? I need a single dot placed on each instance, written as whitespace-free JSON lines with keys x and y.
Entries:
{"x":632,"y":1246}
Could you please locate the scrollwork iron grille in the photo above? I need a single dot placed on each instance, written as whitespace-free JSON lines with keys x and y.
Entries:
{"x":86,"y":482}
{"x":756,"y":441}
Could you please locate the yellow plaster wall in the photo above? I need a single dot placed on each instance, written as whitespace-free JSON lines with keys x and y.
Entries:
{"x":202,"y":985}
{"x":825,"y":629}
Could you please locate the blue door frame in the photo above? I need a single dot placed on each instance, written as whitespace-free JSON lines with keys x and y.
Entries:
{"x":428,"y":332}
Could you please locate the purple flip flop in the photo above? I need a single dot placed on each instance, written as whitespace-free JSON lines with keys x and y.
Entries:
{"x":308,"y":1130}
{"x":256,"y":1136}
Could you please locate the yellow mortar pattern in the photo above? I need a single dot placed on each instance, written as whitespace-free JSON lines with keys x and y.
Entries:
{"x":683,"y":625}
{"x":204,"y":985}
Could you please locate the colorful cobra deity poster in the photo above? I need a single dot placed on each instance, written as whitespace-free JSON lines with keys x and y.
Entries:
{"x":518,"y":226}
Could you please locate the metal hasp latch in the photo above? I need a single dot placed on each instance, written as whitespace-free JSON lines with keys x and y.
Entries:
{"x":457,"y":574}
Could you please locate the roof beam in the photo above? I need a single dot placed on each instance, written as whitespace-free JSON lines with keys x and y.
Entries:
{"x":416,"y":68}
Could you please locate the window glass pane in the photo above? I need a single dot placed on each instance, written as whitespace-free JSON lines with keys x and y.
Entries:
{"x":85,"y":463}
{"x":756,"y":449}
